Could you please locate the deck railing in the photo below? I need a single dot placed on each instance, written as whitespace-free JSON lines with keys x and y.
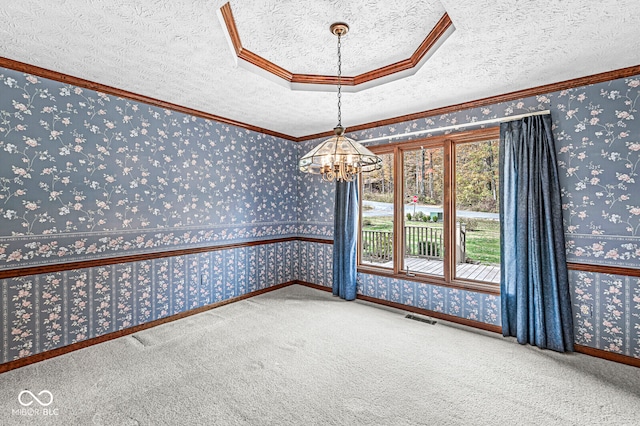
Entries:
{"x":420,"y":241}
{"x":377,"y":246}
{"x":424,"y":241}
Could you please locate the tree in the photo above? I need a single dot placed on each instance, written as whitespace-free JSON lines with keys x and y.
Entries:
{"x":477,"y":176}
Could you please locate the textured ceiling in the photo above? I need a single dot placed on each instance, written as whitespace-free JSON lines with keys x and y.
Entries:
{"x":177,"y":51}
{"x":298,"y":38}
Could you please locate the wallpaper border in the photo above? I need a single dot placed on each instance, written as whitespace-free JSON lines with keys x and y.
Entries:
{"x":66,"y":266}
{"x":105,"y":261}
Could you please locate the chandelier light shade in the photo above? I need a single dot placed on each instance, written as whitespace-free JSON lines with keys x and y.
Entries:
{"x":339,"y":158}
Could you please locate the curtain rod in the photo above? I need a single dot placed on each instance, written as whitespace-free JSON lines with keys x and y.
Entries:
{"x":458,"y":126}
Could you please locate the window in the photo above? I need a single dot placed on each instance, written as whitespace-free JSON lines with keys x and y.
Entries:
{"x":376,"y":236}
{"x":424,"y":217}
{"x":431,"y":212}
{"x":476,"y":209}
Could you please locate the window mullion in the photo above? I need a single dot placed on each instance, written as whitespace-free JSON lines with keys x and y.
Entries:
{"x":398,"y":211}
{"x":360,"y":226}
{"x":448,"y":208}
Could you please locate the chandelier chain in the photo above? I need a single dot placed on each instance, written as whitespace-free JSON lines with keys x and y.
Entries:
{"x":339,"y":158}
{"x":339,"y":81}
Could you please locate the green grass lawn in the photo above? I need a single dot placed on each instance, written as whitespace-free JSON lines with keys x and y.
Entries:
{"x":378,"y":223}
{"x":483,"y":242}
{"x":483,"y":236}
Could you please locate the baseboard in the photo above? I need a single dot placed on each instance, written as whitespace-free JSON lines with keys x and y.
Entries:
{"x":610,"y":356}
{"x":12,"y":365}
{"x":586,"y":350}
{"x":434,"y":314}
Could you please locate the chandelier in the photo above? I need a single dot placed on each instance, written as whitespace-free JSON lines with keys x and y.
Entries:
{"x":339,"y":158}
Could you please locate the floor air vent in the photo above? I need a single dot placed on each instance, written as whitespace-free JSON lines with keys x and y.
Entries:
{"x":421,"y":319}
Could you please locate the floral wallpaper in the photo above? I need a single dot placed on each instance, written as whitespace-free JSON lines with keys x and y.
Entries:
{"x":599,"y":148}
{"x":607,"y":312}
{"x":47,"y":311}
{"x":315,"y":200}
{"x":316,"y":263}
{"x":460,"y":303}
{"x":597,"y":132}
{"x":84,"y":174}
{"x":87,"y":175}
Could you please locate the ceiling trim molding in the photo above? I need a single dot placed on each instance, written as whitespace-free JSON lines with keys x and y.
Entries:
{"x":506,"y":97}
{"x":401,"y":69}
{"x":87,"y":84}
{"x":538,"y":90}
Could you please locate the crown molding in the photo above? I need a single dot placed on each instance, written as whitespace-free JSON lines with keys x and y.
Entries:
{"x":538,"y":90}
{"x":506,"y":97}
{"x":91,"y":85}
{"x":401,"y":69}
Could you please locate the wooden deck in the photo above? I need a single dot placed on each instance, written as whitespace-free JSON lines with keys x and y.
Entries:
{"x":464,"y":271}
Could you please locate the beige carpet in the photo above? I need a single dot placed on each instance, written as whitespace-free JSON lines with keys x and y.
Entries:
{"x":299,"y":356}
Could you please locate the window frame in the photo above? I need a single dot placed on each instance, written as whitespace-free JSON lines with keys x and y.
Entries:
{"x":448,"y":143}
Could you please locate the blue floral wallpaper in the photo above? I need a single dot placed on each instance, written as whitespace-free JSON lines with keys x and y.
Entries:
{"x":607,"y":312}
{"x":47,"y":311}
{"x":460,"y":303}
{"x":597,"y":132}
{"x":315,"y":201}
{"x":85,"y":175}
{"x":316,"y":263}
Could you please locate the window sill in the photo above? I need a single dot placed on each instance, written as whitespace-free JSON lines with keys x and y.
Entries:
{"x":476,"y":286}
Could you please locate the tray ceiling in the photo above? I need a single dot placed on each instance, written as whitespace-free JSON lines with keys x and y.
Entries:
{"x":298,"y":38}
{"x":177,"y":51}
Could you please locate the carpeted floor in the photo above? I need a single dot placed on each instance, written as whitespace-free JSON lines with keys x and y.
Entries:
{"x":299,"y":356}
